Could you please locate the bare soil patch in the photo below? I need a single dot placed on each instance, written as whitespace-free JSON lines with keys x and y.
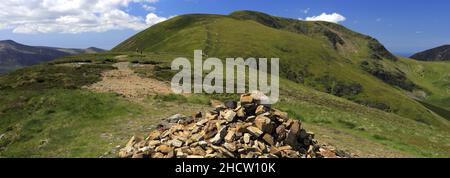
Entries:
{"x":127,"y":83}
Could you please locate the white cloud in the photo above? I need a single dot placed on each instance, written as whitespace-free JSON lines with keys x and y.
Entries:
{"x":378,"y":19}
{"x":153,"y":19}
{"x":72,"y":16}
{"x":148,"y":8}
{"x":334,"y":18}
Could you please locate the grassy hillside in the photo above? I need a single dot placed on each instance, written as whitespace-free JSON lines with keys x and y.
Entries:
{"x":434,"y":77}
{"x":47,"y":113}
{"x":325,"y":56}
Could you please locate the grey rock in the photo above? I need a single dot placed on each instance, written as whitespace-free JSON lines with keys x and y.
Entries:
{"x":219,"y":136}
{"x":176,"y":143}
{"x":231,"y":104}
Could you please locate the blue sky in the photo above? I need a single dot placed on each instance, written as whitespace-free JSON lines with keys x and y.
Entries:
{"x":404,"y":26}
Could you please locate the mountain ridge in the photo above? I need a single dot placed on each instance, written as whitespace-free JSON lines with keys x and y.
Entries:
{"x":14,"y":55}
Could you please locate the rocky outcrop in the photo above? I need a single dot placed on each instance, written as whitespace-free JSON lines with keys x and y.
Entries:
{"x":244,"y":129}
{"x":378,"y":51}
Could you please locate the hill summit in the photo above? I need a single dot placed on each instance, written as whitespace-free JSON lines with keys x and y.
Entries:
{"x":199,"y":31}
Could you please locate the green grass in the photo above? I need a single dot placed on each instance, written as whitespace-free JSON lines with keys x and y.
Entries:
{"x":47,"y":76}
{"x":98,"y":58}
{"x":59,"y":122}
{"x":317,"y":109}
{"x":44,"y":112}
{"x":78,"y":123}
{"x":6,"y":69}
{"x":433,"y":77}
{"x":326,"y":111}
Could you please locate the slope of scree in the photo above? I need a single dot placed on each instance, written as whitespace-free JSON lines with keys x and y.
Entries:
{"x":245,"y":129}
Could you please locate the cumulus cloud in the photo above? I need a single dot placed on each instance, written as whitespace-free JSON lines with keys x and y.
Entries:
{"x":334,"y":18}
{"x":72,"y":16}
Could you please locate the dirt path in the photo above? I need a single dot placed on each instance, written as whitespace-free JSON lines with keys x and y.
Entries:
{"x":125,"y":82}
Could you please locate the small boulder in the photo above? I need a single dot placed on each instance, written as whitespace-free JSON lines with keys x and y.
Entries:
{"x":255,"y":131}
{"x":265,"y":124}
{"x":261,"y":109}
{"x":246,"y":138}
{"x":176,"y":143}
{"x":293,"y":134}
{"x":231,"y":104}
{"x":216,"y":103}
{"x":280,"y":133}
{"x":154,"y":135}
{"x":268,"y":139}
{"x":228,"y":115}
{"x":230,"y":146}
{"x":240,"y":112}
{"x":219,"y":136}
{"x":281,"y":115}
{"x":165,"y":149}
{"x":230,"y":135}
{"x":246,"y":99}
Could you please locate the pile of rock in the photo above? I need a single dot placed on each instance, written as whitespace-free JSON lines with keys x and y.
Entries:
{"x":245,"y":129}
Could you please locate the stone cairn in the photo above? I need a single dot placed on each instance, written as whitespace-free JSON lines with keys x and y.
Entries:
{"x":245,"y":129}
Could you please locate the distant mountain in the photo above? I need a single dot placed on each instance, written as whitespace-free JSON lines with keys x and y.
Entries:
{"x":441,"y":53}
{"x":14,"y":55}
